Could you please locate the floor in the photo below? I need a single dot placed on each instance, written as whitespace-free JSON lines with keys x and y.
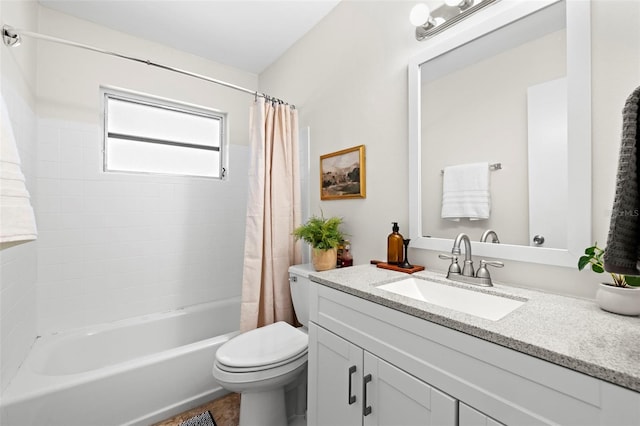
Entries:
{"x":225,"y":411}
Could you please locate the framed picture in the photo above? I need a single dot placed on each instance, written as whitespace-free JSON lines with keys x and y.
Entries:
{"x":342,"y":174}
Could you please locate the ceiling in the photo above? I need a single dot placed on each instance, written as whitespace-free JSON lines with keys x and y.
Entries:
{"x":245,"y":34}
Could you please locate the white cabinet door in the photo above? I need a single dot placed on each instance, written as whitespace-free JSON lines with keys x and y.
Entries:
{"x":473,"y":417}
{"x":396,"y":398}
{"x":350,"y":386}
{"x":335,"y":380}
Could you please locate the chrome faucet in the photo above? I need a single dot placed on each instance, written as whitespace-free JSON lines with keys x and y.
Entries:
{"x":467,"y":268}
{"x":467,"y":275}
{"x":487,"y":234}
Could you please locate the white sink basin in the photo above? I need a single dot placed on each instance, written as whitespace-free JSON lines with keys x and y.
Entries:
{"x":483,"y":305}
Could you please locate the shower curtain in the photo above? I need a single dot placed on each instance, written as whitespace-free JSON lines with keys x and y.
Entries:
{"x":273,"y":211}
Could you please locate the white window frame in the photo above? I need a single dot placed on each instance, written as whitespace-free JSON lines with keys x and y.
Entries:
{"x":158,"y":102}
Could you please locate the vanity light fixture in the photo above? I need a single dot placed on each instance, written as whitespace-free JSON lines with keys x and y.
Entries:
{"x":429,"y":23}
{"x":462,"y":4}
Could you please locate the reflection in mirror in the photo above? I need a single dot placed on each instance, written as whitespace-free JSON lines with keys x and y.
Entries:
{"x":511,"y":103}
{"x":511,"y":89}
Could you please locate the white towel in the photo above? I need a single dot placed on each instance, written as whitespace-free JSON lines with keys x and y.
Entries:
{"x":17,"y":221}
{"x":466,"y":192}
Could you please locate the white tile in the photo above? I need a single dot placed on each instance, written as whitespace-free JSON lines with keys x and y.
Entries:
{"x":71,"y":188}
{"x":50,"y":256}
{"x":72,"y":270}
{"x":95,"y":205}
{"x":72,"y":170}
{"x":100,"y":188}
{"x":49,"y":151}
{"x":49,"y":272}
{"x":93,"y":168}
{"x":72,"y":146}
{"x":48,"y":187}
{"x":48,"y":134}
{"x":71,"y":204}
{"x":48,"y":204}
{"x":71,"y":220}
{"x":48,"y":169}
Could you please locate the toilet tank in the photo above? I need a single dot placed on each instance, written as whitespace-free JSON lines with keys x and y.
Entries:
{"x":299,"y":284}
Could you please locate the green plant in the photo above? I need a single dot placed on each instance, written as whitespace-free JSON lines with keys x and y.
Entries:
{"x":594,"y":256}
{"x":320,"y":233}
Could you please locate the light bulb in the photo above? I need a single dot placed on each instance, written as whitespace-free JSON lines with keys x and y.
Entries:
{"x":419,"y":14}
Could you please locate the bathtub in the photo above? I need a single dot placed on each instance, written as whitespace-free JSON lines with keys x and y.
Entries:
{"x":131,"y":372}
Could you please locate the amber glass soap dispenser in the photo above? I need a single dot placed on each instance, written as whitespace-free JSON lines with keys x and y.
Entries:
{"x":395,"y":246}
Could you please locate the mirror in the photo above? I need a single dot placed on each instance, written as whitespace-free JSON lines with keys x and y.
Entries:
{"x":510,"y":86}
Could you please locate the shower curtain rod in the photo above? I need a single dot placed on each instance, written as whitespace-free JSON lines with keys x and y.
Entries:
{"x":12,"y":37}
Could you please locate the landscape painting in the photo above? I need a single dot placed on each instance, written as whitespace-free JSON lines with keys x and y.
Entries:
{"x":342,"y":174}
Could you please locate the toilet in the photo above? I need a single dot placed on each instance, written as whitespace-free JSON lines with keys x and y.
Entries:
{"x":261,"y":363}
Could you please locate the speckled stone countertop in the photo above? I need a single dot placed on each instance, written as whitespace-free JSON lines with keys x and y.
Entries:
{"x":571,"y":332}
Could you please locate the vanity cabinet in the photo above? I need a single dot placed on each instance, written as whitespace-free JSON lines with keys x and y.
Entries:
{"x":421,"y":371}
{"x":354,"y":387}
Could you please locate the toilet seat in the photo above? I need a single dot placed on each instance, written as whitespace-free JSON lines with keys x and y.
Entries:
{"x":267,"y":378}
{"x":231,"y":369}
{"x":263,"y":348}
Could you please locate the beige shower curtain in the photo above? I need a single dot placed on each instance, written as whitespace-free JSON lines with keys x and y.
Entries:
{"x":273,"y":211}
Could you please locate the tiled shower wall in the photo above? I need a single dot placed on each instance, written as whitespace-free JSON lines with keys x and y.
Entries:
{"x":18,"y":261}
{"x":116,"y":245}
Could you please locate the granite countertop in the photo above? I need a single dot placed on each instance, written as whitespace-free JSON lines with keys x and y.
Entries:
{"x":571,"y":332}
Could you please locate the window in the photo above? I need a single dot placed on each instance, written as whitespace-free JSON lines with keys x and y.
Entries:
{"x":148,"y":135}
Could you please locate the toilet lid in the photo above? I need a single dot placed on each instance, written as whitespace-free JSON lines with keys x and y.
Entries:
{"x":271,"y":344}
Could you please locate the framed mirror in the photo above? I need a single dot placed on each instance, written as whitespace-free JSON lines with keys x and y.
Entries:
{"x":509,"y":86}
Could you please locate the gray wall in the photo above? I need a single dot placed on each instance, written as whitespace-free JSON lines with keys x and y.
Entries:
{"x":349,"y":78}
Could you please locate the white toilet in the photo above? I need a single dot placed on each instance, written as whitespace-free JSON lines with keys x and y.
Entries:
{"x":260,"y":363}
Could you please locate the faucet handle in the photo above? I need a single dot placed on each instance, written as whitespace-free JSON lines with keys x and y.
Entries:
{"x":454,"y":268}
{"x":491,"y":263}
{"x":483,"y":272}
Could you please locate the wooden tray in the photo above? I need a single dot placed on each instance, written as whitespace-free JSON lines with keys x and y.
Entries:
{"x":385,"y":265}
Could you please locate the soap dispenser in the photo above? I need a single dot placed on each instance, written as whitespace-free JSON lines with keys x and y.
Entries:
{"x":395,"y":245}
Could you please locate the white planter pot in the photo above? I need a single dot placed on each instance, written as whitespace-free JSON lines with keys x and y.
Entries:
{"x":619,"y":300}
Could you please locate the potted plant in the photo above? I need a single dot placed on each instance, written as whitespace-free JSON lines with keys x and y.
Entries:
{"x":621,"y":296}
{"x":324,"y":236}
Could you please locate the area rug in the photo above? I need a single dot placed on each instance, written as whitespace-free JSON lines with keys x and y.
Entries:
{"x":202,"y":419}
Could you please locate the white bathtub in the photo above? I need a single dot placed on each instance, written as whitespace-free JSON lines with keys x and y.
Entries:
{"x":131,"y":372}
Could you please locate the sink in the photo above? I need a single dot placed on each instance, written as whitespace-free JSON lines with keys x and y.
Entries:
{"x":483,"y":305}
